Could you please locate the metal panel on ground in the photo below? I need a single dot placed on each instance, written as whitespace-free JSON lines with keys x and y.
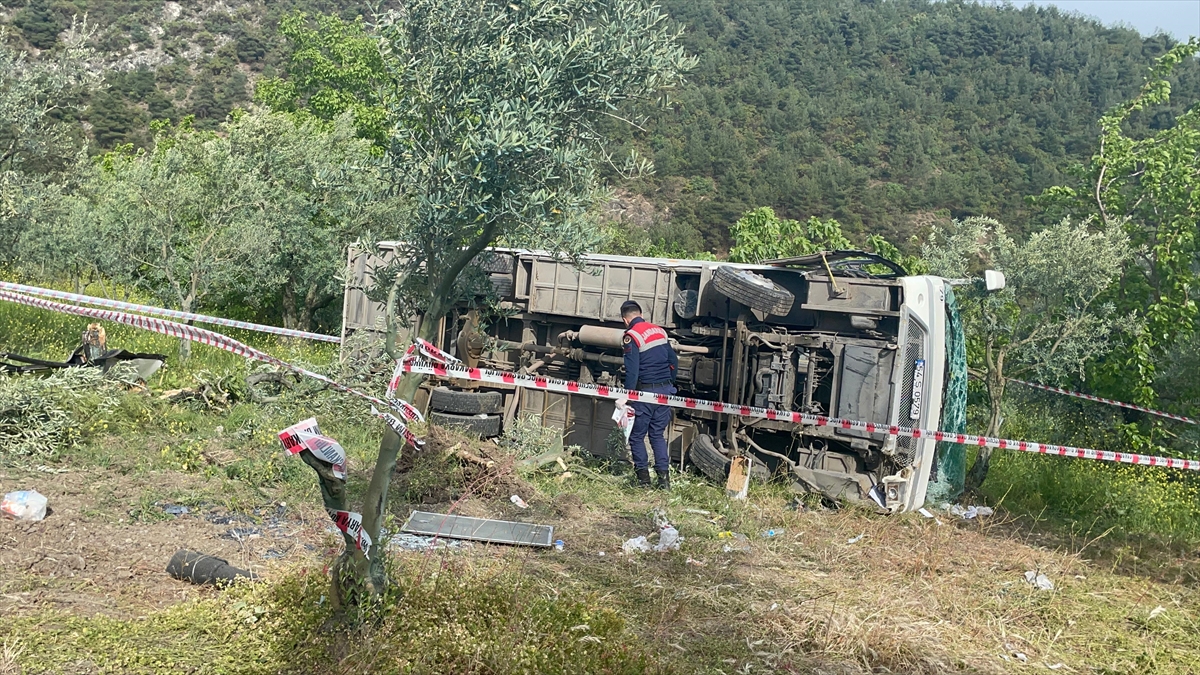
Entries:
{"x":478,"y":529}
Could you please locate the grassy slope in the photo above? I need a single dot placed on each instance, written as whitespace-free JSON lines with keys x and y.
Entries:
{"x":910,"y":596}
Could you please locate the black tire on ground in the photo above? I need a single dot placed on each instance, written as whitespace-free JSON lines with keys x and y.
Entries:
{"x":484,"y":426}
{"x":753,"y":290}
{"x":466,"y":402}
{"x":502,"y":284}
{"x":706,"y":457}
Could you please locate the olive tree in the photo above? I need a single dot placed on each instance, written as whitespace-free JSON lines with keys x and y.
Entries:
{"x":317,"y":181}
{"x":493,"y":113}
{"x":36,"y":146}
{"x":182,"y":217}
{"x":255,"y":215}
{"x":1049,"y":321}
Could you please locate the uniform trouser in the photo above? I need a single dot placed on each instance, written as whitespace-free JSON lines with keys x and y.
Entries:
{"x":653,"y":419}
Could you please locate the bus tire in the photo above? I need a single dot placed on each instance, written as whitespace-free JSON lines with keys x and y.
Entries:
{"x":706,"y":457}
{"x":753,"y":290}
{"x":466,"y":402}
{"x":483,"y":426}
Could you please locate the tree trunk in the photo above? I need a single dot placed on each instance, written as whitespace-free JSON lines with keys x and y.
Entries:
{"x":995,"y":387}
{"x":289,"y":305}
{"x":314,"y":299}
{"x":356,"y":577}
{"x":185,"y":346}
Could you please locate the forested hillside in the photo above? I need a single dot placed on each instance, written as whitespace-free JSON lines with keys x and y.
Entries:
{"x":880,"y":113}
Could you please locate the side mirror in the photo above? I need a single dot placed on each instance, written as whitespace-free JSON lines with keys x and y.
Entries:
{"x":993,"y":280}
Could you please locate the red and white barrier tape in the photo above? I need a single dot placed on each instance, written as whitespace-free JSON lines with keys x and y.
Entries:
{"x":159,"y":311}
{"x":411,"y":365}
{"x":350,"y":522}
{"x":306,"y":436}
{"x":1109,"y":401}
{"x":212,"y":339}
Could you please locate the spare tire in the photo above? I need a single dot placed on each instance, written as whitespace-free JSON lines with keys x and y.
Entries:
{"x":467,"y":402}
{"x":753,"y":290}
{"x":706,"y":457}
{"x":483,"y":426}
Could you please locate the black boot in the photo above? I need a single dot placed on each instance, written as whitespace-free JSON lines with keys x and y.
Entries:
{"x":664,"y":480}
{"x":643,"y":478}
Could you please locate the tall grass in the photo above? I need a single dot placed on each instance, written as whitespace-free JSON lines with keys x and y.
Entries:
{"x":1087,"y":495}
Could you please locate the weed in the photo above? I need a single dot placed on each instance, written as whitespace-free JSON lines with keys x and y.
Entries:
{"x":461,"y":617}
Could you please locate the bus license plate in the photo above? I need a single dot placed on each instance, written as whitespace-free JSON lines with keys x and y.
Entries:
{"x":918,"y":389}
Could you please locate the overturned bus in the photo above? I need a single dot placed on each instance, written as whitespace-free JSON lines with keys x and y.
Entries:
{"x":842,"y":334}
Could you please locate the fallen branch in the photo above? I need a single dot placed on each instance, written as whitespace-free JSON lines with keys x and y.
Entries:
{"x":467,"y":456}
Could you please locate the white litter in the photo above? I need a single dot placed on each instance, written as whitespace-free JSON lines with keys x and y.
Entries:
{"x":1042,"y":581}
{"x":668,"y":539}
{"x":516,"y":499}
{"x":925,"y":512}
{"x":855,"y":540}
{"x":635,"y":545}
{"x":1157,"y":612}
{"x":24,"y":505}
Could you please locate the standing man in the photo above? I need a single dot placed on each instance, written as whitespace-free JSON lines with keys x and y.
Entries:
{"x":650,"y":365}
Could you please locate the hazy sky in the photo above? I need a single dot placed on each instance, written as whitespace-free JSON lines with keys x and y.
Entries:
{"x":1179,"y":18}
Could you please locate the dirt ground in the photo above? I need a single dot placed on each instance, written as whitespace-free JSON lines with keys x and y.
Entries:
{"x":101,"y":550}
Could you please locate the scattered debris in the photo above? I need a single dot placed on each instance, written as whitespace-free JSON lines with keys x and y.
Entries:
{"x":478,"y":529}
{"x":740,"y":543}
{"x":772,"y":533}
{"x":926,"y":512}
{"x":226,"y":519}
{"x":417,"y":542}
{"x":516,"y":499}
{"x":635,"y":545}
{"x":697,"y":563}
{"x":855,"y":540}
{"x":601,"y":554}
{"x":968,"y":512}
{"x":242,"y":533}
{"x":699,"y":512}
{"x":668,"y":539}
{"x":199,"y":568}
{"x":1042,"y":581}
{"x":174,"y":509}
{"x":24,"y":505}
{"x":1157,"y":612}
{"x":559,"y":544}
{"x":1020,"y":656}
